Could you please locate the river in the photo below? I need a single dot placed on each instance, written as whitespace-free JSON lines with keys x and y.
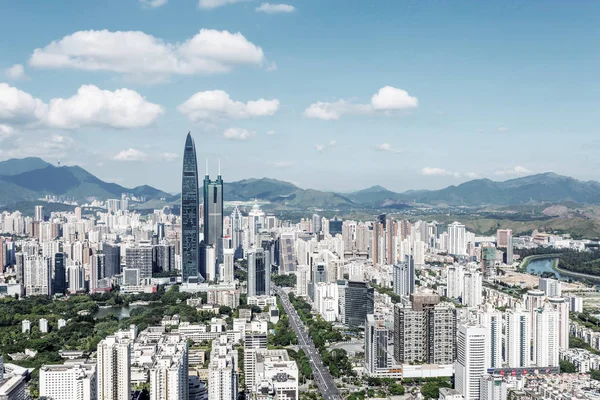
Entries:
{"x":120,"y":311}
{"x":537,"y":267}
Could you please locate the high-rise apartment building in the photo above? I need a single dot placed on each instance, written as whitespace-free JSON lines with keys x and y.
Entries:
{"x":457,"y":242}
{"x":404,"y":277}
{"x":562,"y":307}
{"x":140,"y":257}
{"x":518,"y":337}
{"x":379,"y":347}
{"x":190,"y":218}
{"x":114,"y":369}
{"x":492,"y":387}
{"x":222,"y":370}
{"x":491,"y":320}
{"x":470,"y":360}
{"x":38,"y":275}
{"x":547,"y":344}
{"x":39,"y":214}
{"x":169,"y":370}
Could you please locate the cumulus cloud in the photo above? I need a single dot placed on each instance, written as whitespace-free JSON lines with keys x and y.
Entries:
{"x":15,"y":72}
{"x":168,"y":156}
{"x":271,"y":132}
{"x":432,"y":171}
{"x":332,"y":143}
{"x":210,"y":4}
{"x":472,"y":175}
{"x":130,"y":155}
{"x":237,"y":134}
{"x":387,"y":148}
{"x":319,"y":147}
{"x":275,"y":8}
{"x":153,"y":3}
{"x":514,"y":171}
{"x":388,"y":99}
{"x":91,"y":106}
{"x":6,"y":131}
{"x":281,"y":164}
{"x":144,"y":56}
{"x":216,"y":104}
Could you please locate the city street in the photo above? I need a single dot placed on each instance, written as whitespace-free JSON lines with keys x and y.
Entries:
{"x":321,"y":374}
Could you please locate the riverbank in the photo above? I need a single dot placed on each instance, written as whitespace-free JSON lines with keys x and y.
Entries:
{"x":560,"y":272}
{"x":523,"y":266}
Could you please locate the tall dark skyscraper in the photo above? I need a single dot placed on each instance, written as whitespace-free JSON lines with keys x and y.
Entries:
{"x":213,"y":216}
{"x":190,"y":222}
{"x":60,"y":274}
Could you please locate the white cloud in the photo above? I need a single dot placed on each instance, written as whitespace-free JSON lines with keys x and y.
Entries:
{"x":275,"y":8}
{"x":332,"y":143}
{"x":15,"y":72}
{"x":6,"y":131}
{"x":281,"y":164}
{"x":391,"y":98}
{"x":18,"y":106}
{"x":237,"y":134}
{"x":216,"y":104}
{"x":271,"y":132}
{"x":210,"y":4}
{"x":386,"y":100}
{"x":319,"y":147}
{"x":153,"y":3}
{"x":145,"y":57}
{"x":130,"y":155}
{"x":432,"y":171}
{"x":272,"y":67}
{"x":514,"y":171}
{"x":387,"y":148}
{"x":91,"y":106}
{"x":168,"y":156}
{"x":472,"y":175}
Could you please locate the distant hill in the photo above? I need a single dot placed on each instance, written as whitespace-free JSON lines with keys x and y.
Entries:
{"x":16,"y":166}
{"x":70,"y":182}
{"x":29,"y":179}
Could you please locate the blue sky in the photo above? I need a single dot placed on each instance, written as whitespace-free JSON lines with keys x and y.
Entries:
{"x":465,"y":89}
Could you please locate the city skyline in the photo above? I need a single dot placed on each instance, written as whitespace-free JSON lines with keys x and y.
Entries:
{"x":400,"y":86}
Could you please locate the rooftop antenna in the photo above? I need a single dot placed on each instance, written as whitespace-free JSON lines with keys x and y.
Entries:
{"x":206,"y":166}
{"x":219,"y":167}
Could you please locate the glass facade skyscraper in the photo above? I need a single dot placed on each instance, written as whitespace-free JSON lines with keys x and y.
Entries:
{"x":190,"y":218}
{"x":213,"y":218}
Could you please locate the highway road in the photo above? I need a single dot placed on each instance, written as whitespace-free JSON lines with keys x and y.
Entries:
{"x":322,"y":376}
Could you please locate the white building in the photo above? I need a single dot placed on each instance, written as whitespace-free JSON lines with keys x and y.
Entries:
{"x":226,"y":273}
{"x":576,"y":304}
{"x":379,"y":347}
{"x":561,"y":305}
{"x":222,"y":370}
{"x":169,"y":371}
{"x":471,"y":359}
{"x":471,"y":296}
{"x":68,"y":381}
{"x":518,"y":342}
{"x":38,"y":275}
{"x":552,"y":287}
{"x":546,"y":345}
{"x":25,"y":326}
{"x":43,"y":325}
{"x":276,"y":375}
{"x":113,"y":369}
{"x":302,"y":279}
{"x":457,"y":241}
{"x":492,"y":388}
{"x":327,"y":300}
{"x":491,"y":319}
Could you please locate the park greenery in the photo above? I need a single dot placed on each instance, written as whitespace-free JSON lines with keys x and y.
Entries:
{"x":284,"y":280}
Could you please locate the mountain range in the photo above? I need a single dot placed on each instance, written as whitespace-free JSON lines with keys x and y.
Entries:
{"x":29,"y":179}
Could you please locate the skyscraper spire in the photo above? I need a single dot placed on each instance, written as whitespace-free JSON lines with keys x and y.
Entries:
{"x":207,"y":166}
{"x":219,"y":166}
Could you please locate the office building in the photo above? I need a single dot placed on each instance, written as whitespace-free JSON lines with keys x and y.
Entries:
{"x":379,"y":347}
{"x":190,"y":218}
{"x":213,"y":214}
{"x":59,"y":282}
{"x":503,"y":237}
{"x":259,"y":274}
{"x":275,"y":376}
{"x":13,"y":389}
{"x":226,"y":273}
{"x":358,"y":302}
{"x":287,"y":261}
{"x":113,"y":369}
{"x":470,"y":362}
{"x":68,"y":381}
{"x":112,"y":259}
